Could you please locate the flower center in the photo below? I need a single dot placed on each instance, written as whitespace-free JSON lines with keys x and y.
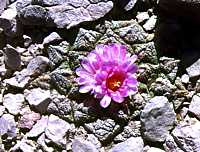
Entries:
{"x":115,"y":81}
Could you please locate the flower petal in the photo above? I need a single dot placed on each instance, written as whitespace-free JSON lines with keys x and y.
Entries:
{"x":105,"y":102}
{"x":87,"y":66}
{"x":85,"y":88}
{"x":117,"y":97}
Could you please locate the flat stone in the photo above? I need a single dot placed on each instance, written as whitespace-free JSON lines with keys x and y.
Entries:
{"x":52,"y":38}
{"x":39,"y":127}
{"x":195,"y":105}
{"x":28,"y":119}
{"x":56,"y":130}
{"x":13,"y":102}
{"x":187,"y":136}
{"x":12,"y":58}
{"x":79,"y":145}
{"x":63,"y":14}
{"x":194,"y":69}
{"x":133,"y":144}
{"x":151,"y":23}
{"x":38,"y":98}
{"x":157,"y":118}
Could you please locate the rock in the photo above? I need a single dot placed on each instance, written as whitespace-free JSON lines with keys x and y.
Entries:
{"x":13,"y":102}
{"x":133,"y":144}
{"x":12,"y":58}
{"x":103,"y":129}
{"x":157,"y":118}
{"x":38,"y":98}
{"x":195,"y":105}
{"x":170,"y":145}
{"x":27,"y":41}
{"x":56,"y":130}
{"x":41,"y":142}
{"x":20,"y":80}
{"x":185,"y":78}
{"x":2,"y":110}
{"x":153,"y":149}
{"x":39,"y":127}
{"x":28,"y":119}
{"x":25,"y":145}
{"x":187,"y":136}
{"x":8,"y":21}
{"x":131,"y":130}
{"x":194,"y":69}
{"x":79,"y":145}
{"x":52,"y":38}
{"x":151,"y":23}
{"x":3,"y":5}
{"x":142,"y":16}
{"x":63,"y":14}
{"x":37,"y":65}
{"x":130,"y":5}
{"x":8,"y":125}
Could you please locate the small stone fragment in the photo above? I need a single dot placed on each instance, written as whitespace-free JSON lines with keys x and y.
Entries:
{"x":57,"y":129}
{"x":157,"y":118}
{"x":185,"y":78}
{"x":195,"y":105}
{"x":187,"y":136}
{"x":130,"y":5}
{"x":39,"y":127}
{"x":13,"y":102}
{"x":52,"y":38}
{"x":133,"y":144}
{"x":79,"y":145}
{"x":38,"y":98}
{"x":194,"y":69}
{"x":28,"y":119}
{"x":142,"y":16}
{"x":150,"y":24}
{"x":12,"y":58}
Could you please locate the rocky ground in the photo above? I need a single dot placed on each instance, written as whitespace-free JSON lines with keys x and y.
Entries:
{"x":41,"y":45}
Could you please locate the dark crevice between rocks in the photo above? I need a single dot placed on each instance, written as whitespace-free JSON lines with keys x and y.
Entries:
{"x":178,"y":38}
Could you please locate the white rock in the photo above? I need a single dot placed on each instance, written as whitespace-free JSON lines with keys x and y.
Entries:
{"x":13,"y":102}
{"x":150,"y":24}
{"x":194,"y":69}
{"x":153,"y":149}
{"x":185,"y":78}
{"x":142,"y":16}
{"x":57,"y":129}
{"x":195,"y":106}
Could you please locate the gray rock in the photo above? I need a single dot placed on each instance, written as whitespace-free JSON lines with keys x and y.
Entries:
{"x":185,"y":78}
{"x":187,"y":136}
{"x":8,"y":21}
{"x":194,"y":69}
{"x":12,"y":58}
{"x":8,"y":125}
{"x":170,"y":145}
{"x":2,"y":110}
{"x":151,"y":23}
{"x":63,"y":14}
{"x":39,"y":127}
{"x":103,"y":129}
{"x":28,"y":119}
{"x":154,"y":149}
{"x":20,"y":80}
{"x":133,"y":144}
{"x":52,"y":38}
{"x":57,"y":129}
{"x":86,"y":39}
{"x":142,"y":16}
{"x":195,"y":105}
{"x":131,"y":130}
{"x":130,"y":5}
{"x":79,"y":145}
{"x":3,"y":5}
{"x":37,"y":65}
{"x":13,"y":102}
{"x":157,"y":118}
{"x":38,"y":98}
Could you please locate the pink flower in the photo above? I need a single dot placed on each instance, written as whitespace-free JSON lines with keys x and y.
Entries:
{"x":109,"y":73}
